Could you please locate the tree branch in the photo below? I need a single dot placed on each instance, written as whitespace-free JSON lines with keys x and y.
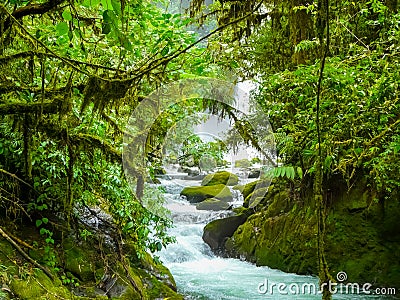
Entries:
{"x":23,"y":253}
{"x":15,"y":177}
{"x":31,"y":9}
{"x":54,"y":107}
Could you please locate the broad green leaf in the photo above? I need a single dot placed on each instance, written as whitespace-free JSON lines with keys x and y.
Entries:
{"x":327,"y":162}
{"x":67,"y":15}
{"x":62,"y":28}
{"x":128,"y":226}
{"x":159,"y":246}
{"x":106,"y":4}
{"x":38,"y":223}
{"x":91,"y":3}
{"x":116,"y":4}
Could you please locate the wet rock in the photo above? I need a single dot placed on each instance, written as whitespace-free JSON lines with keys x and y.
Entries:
{"x":256,"y":196}
{"x":218,"y":231}
{"x":212,"y":204}
{"x":251,"y":186}
{"x":189,"y":171}
{"x":221,"y":177}
{"x":242,"y":163}
{"x":196,"y":177}
{"x":254,"y":173}
{"x":196,"y":194}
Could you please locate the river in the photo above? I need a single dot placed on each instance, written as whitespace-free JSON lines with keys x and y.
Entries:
{"x":201,"y":275}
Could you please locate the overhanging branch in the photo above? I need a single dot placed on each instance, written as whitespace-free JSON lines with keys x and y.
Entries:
{"x":31,"y":9}
{"x":54,"y":107}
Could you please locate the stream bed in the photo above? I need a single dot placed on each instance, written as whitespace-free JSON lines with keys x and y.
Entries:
{"x":201,"y":275}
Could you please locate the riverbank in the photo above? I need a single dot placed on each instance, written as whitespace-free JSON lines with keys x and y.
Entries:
{"x":98,"y":266}
{"x":362,"y":237}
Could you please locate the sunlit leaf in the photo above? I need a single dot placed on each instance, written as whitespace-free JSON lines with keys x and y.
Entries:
{"x":67,"y":15}
{"x":116,"y":4}
{"x":62,"y":28}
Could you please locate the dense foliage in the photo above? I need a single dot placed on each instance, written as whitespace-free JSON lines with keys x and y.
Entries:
{"x":72,"y":72}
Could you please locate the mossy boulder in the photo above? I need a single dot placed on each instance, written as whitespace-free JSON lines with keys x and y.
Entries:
{"x":283,"y":235}
{"x":216,"y":232}
{"x":80,"y":261}
{"x":221,"y":177}
{"x":212,"y":204}
{"x":238,"y":187}
{"x":158,"y":270}
{"x":39,"y":286}
{"x":100,"y":276}
{"x":242,"y":163}
{"x":258,"y":193}
{"x":251,"y":186}
{"x":195,"y":194}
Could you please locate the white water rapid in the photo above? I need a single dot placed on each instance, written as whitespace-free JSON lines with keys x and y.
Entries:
{"x":201,"y":275}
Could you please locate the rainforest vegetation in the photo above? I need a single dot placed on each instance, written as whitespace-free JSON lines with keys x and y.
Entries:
{"x":73,"y":71}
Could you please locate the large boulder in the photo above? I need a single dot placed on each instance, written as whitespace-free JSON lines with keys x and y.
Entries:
{"x":251,"y":198}
{"x":218,"y":231}
{"x":221,"y":177}
{"x":212,"y":204}
{"x":196,"y":194}
{"x":251,"y":186}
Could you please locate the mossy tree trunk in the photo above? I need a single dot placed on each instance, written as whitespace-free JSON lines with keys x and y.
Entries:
{"x":301,"y":28}
{"x":322,"y":210}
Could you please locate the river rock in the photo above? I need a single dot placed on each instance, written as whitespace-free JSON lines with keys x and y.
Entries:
{"x":194,"y":177}
{"x":212,"y":204}
{"x":254,"y":173}
{"x":252,"y":197}
{"x":221,"y":177}
{"x":189,"y":171}
{"x":216,"y":232}
{"x":251,"y":186}
{"x":159,"y":171}
{"x":195,"y":194}
{"x":242,"y":163}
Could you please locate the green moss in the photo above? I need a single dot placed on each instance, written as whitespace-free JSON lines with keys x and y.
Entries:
{"x":153,"y":280}
{"x":80,"y":261}
{"x":281,"y":203}
{"x":39,"y":286}
{"x":241,"y":210}
{"x":159,"y":271}
{"x":251,"y":186}
{"x":216,"y":232}
{"x":195,"y":194}
{"x":156,"y":289}
{"x":221,"y":177}
{"x":252,"y":197}
{"x":212,"y":204}
{"x":283,"y":236}
{"x":242,"y":163}
{"x":238,"y":187}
